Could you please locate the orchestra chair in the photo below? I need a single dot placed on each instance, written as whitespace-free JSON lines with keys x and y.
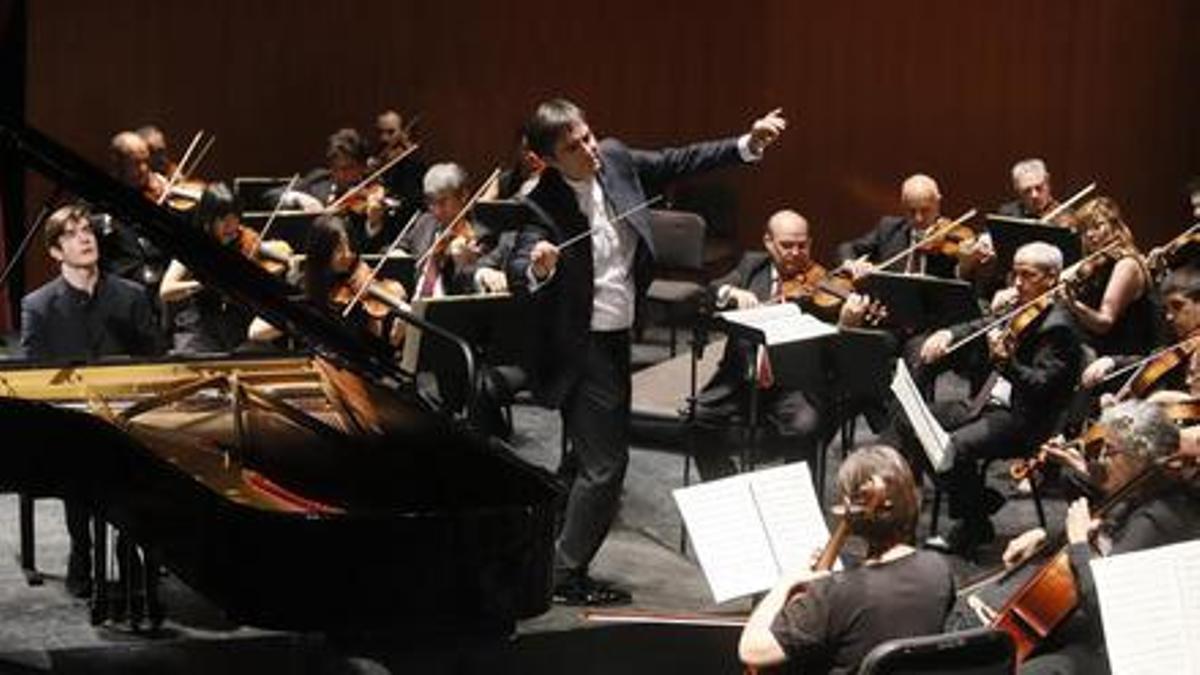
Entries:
{"x":1034,"y":493}
{"x":678,"y":238}
{"x":979,"y":651}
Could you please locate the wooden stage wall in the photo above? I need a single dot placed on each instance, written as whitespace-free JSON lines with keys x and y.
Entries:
{"x":1104,"y":90}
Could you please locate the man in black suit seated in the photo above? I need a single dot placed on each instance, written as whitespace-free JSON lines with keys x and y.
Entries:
{"x":798,"y":418}
{"x":464,"y":267}
{"x":83,"y":315}
{"x":403,"y":180}
{"x":586,"y":295}
{"x":922,"y":201}
{"x":1033,"y":377}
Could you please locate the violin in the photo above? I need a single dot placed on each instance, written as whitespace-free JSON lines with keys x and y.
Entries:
{"x":378,"y":297}
{"x":1089,"y":444}
{"x":951,"y":238}
{"x":818,"y":287}
{"x":362,"y":200}
{"x":1021,"y":321}
{"x":1166,"y":257}
{"x":273,"y":255}
{"x":1078,"y":277}
{"x":1154,"y":368}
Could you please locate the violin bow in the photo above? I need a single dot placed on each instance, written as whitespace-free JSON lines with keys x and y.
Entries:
{"x":337,"y":203}
{"x":575,"y":239}
{"x":262,"y":235}
{"x":379,"y":265}
{"x":177,"y":175}
{"x":937,"y":233}
{"x":1052,"y":213}
{"x":462,"y":213}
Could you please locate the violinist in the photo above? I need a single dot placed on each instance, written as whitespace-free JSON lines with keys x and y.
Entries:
{"x":586,"y":296}
{"x":1036,"y":360}
{"x":1111,"y":298}
{"x":827,"y":623}
{"x":156,"y":142}
{"x":333,"y":276}
{"x":1180,"y":291}
{"x":922,"y":202}
{"x":404,"y":179}
{"x":123,"y":251}
{"x":202,"y":320}
{"x":1138,"y":438}
{"x":798,"y":419}
{"x":462,"y":267}
{"x":371,"y":218}
{"x":1035,"y":198}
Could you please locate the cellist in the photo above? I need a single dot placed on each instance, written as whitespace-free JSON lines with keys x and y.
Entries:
{"x":827,"y":623}
{"x":1138,"y":437}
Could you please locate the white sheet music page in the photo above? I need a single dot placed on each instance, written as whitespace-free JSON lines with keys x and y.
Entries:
{"x":780,"y":323}
{"x":790,"y":514}
{"x":1150,"y":609}
{"x":746,"y":529}
{"x":933,"y":438}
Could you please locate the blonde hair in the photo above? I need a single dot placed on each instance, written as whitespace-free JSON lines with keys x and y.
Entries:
{"x":1103,"y":210}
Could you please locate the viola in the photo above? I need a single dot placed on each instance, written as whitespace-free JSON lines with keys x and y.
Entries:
{"x":1020,"y":322}
{"x":273,"y":255}
{"x":1089,"y":443}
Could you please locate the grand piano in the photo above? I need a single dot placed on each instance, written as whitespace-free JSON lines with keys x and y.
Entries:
{"x":314,"y":491}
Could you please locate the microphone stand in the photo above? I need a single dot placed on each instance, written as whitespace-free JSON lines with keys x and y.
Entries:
{"x":698,"y":341}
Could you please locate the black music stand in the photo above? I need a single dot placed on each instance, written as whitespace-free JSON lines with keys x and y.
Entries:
{"x":1010,"y":234}
{"x":916,"y":303}
{"x":859,"y":363}
{"x":796,"y":362}
{"x":502,"y":215}
{"x":486,"y":322}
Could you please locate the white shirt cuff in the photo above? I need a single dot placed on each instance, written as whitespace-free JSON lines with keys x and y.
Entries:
{"x":748,"y":155}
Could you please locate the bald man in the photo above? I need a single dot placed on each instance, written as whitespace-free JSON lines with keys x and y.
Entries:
{"x":797,"y":417}
{"x":922,"y":200}
{"x":122,"y":251}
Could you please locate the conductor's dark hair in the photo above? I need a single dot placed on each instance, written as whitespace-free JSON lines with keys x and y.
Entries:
{"x":346,"y":143}
{"x":216,"y":202}
{"x":551,"y":119}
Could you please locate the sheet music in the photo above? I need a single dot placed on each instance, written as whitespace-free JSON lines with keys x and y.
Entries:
{"x":780,"y":323}
{"x":746,"y":529}
{"x":929,"y":432}
{"x":1150,"y":609}
{"x":791,"y":515}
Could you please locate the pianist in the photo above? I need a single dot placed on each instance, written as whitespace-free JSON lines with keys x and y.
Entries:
{"x":83,"y":315}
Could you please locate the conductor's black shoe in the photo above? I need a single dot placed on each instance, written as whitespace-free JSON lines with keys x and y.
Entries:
{"x":79,"y":574}
{"x":580,"y":590}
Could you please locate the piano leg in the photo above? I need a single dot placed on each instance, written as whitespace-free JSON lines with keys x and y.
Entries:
{"x":99,"y":570}
{"x":25,"y":513}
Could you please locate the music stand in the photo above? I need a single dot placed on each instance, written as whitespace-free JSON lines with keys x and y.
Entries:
{"x":916,"y":302}
{"x":1010,"y":234}
{"x":399,"y":266}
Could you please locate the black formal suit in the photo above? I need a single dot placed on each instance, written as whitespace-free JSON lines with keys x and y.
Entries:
{"x":61,"y":323}
{"x":796,"y":416}
{"x":583,"y":372}
{"x":418,"y":239}
{"x":1043,"y":371}
{"x":892,"y":235}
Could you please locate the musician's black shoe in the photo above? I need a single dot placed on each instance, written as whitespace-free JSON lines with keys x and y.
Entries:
{"x":992,"y":501}
{"x":964,"y":537}
{"x":580,"y":590}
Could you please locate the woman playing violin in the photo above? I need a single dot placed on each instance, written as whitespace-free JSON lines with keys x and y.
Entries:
{"x":1138,"y":438}
{"x":1110,"y":298}
{"x":828,"y":624}
{"x":334,"y":276}
{"x":202,"y":320}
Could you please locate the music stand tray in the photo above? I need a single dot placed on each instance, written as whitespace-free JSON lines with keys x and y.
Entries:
{"x":917,"y":302}
{"x":1010,"y":234}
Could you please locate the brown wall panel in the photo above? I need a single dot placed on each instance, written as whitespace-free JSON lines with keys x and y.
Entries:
{"x":1104,"y":90}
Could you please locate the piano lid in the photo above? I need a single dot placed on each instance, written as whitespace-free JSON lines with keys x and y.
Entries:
{"x":214,"y":265}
